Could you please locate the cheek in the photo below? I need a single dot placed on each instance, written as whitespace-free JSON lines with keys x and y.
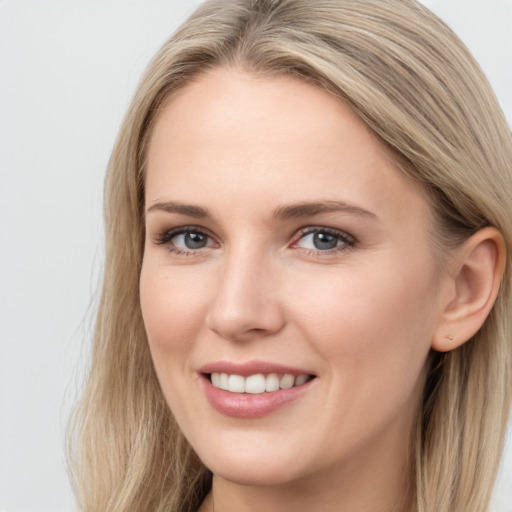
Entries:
{"x":173,"y":309}
{"x":374,"y":327}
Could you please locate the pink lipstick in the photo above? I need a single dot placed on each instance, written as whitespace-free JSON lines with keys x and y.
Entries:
{"x":253,"y":389}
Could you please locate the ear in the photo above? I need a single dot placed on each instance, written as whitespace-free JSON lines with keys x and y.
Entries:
{"x":475,"y":273}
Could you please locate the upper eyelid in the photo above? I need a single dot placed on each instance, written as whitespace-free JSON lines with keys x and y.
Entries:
{"x":334,"y":231}
{"x":166,"y":235}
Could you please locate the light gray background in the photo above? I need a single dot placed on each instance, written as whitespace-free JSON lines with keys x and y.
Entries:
{"x":67,"y":71}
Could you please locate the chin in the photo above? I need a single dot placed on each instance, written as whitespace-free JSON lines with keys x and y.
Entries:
{"x":253,"y":475}
{"x":254,"y":468}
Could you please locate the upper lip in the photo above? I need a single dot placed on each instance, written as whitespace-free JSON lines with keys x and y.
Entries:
{"x":251,"y":368}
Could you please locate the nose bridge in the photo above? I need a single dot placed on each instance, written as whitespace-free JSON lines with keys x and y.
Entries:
{"x":245,"y":303}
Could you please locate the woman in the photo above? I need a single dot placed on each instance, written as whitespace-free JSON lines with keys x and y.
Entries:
{"x":307,"y":292}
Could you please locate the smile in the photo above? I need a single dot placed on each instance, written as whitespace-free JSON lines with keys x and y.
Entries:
{"x":254,"y":389}
{"x":257,"y":383}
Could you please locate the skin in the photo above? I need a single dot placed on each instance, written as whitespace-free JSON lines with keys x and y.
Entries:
{"x":360,"y":318}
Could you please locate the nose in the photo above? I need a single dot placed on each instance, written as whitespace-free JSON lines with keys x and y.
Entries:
{"x":246,"y":302}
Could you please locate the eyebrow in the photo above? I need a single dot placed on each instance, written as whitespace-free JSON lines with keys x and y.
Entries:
{"x":185,"y":209}
{"x":305,"y":209}
{"x":284,"y":212}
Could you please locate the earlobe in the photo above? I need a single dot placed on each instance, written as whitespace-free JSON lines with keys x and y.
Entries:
{"x":477,"y":270}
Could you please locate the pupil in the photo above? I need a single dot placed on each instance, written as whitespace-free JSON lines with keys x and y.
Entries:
{"x":324,"y":241}
{"x":195,"y":240}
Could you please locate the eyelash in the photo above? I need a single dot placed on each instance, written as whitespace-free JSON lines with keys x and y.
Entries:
{"x":347,"y":241}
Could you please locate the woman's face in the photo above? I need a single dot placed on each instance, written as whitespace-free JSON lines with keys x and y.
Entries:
{"x":284,"y":248}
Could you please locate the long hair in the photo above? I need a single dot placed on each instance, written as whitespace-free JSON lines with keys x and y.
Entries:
{"x":415,"y":85}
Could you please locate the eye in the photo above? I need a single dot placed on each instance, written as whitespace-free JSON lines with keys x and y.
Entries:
{"x":185,"y":240}
{"x":324,"y":240}
{"x":190,"y":240}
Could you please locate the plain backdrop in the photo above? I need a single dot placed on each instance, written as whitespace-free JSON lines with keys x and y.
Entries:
{"x":67,"y":72}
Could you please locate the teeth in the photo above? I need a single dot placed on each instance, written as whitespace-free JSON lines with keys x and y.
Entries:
{"x":286,"y":381}
{"x":236,"y":384}
{"x":301,"y":379}
{"x":223,"y":381}
{"x":256,"y":384}
{"x":272,"y":383}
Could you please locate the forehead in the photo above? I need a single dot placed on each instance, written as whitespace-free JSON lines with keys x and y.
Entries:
{"x":228,"y":98}
{"x":230,"y":133}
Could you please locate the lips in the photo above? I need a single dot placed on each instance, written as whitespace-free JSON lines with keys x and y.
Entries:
{"x":254,"y":389}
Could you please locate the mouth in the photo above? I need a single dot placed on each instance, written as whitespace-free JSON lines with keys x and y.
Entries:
{"x":254,"y":389}
{"x":258,"y":383}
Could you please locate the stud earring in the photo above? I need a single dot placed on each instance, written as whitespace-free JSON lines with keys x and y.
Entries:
{"x":449,"y":337}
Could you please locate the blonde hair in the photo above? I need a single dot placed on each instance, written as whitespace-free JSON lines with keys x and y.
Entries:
{"x":413,"y":82}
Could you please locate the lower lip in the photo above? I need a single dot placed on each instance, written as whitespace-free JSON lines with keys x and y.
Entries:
{"x":246,"y":405}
